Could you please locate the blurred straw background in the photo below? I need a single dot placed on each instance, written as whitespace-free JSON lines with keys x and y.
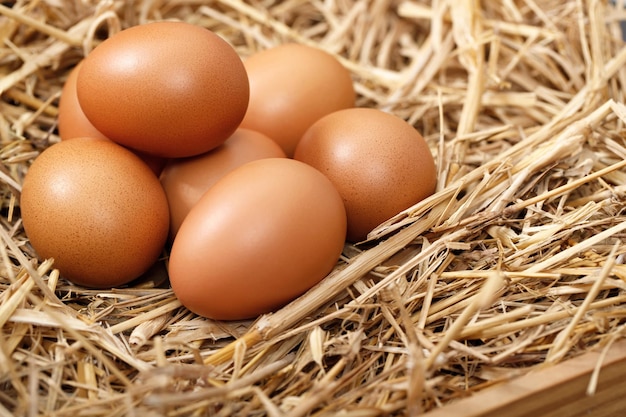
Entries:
{"x":516,"y":263}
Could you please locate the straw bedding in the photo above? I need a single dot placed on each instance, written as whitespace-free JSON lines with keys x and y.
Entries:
{"x":516,"y":263}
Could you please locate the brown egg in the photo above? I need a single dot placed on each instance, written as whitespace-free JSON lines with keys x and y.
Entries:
{"x":185,"y":180}
{"x":260,"y":237}
{"x":171,"y":89}
{"x":95,"y":208}
{"x":291,"y":86}
{"x":73,"y":123}
{"x":380,"y":164}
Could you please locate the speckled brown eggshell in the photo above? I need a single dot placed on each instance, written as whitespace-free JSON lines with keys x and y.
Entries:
{"x":291,"y":86}
{"x":171,"y":89}
{"x":72,"y":122}
{"x":380,"y":164}
{"x":95,"y":208}
{"x":186,"y":180}
{"x":260,"y":237}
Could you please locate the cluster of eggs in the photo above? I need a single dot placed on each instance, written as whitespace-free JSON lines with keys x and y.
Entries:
{"x":250,"y":175}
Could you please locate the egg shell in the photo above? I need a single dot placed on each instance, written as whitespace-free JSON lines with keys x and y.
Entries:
{"x":72,"y":122}
{"x":95,"y":208}
{"x":186,"y":180}
{"x":171,"y":89}
{"x":379,"y":163}
{"x":260,"y":237}
{"x":291,"y":86}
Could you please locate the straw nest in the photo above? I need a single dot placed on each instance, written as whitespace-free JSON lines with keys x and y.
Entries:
{"x":515,"y":263}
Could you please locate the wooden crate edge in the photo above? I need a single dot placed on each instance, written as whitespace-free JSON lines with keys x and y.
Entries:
{"x":554,"y":391}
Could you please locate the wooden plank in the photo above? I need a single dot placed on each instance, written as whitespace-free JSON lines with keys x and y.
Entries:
{"x":556,"y":391}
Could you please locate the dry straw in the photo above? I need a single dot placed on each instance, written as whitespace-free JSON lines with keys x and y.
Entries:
{"x":517,"y":261}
